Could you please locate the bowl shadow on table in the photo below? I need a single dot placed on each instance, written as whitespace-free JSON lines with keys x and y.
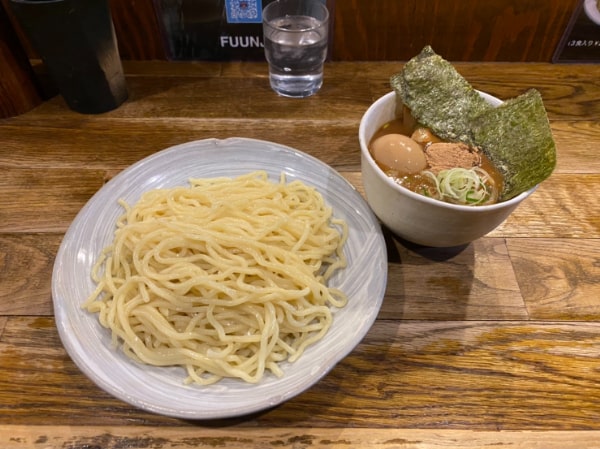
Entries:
{"x":427,"y":283}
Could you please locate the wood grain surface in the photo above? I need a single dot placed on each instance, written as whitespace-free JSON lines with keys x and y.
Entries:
{"x":493,"y":344}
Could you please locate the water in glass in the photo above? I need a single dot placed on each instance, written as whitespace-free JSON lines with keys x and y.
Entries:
{"x":296,"y":47}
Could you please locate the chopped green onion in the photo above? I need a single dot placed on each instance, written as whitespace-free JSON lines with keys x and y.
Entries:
{"x":472,"y":186}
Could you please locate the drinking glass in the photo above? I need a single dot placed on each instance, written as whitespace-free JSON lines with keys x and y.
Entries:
{"x":295,"y":38}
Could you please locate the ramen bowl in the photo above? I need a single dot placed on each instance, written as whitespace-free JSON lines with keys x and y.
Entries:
{"x":414,"y":217}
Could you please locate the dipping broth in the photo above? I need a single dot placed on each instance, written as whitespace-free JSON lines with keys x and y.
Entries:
{"x":423,"y":176}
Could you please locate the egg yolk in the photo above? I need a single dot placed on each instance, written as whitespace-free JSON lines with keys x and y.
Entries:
{"x":400,"y":153}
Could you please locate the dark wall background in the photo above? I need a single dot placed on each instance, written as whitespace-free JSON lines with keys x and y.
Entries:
{"x":460,"y":30}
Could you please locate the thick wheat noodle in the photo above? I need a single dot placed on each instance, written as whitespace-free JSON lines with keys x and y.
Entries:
{"x":226,"y":277}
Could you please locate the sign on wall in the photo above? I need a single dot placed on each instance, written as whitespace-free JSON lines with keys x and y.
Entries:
{"x":212,"y":29}
{"x":581,"y":41}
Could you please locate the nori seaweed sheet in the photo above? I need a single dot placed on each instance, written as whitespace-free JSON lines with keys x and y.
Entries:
{"x":438,"y":96}
{"x":517,"y":138}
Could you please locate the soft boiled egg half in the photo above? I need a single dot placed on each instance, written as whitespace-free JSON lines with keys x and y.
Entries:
{"x":400,"y":153}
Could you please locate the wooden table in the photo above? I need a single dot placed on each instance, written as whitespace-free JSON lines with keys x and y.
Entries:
{"x":496,"y":344}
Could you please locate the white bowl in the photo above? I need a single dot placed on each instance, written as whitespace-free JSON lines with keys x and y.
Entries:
{"x":414,"y":217}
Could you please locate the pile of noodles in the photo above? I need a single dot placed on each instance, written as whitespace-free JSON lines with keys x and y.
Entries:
{"x":226,"y":277}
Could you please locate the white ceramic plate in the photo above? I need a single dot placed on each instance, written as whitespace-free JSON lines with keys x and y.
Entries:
{"x":160,"y":390}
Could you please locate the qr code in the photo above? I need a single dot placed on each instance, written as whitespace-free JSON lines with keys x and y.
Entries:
{"x":244,"y":11}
